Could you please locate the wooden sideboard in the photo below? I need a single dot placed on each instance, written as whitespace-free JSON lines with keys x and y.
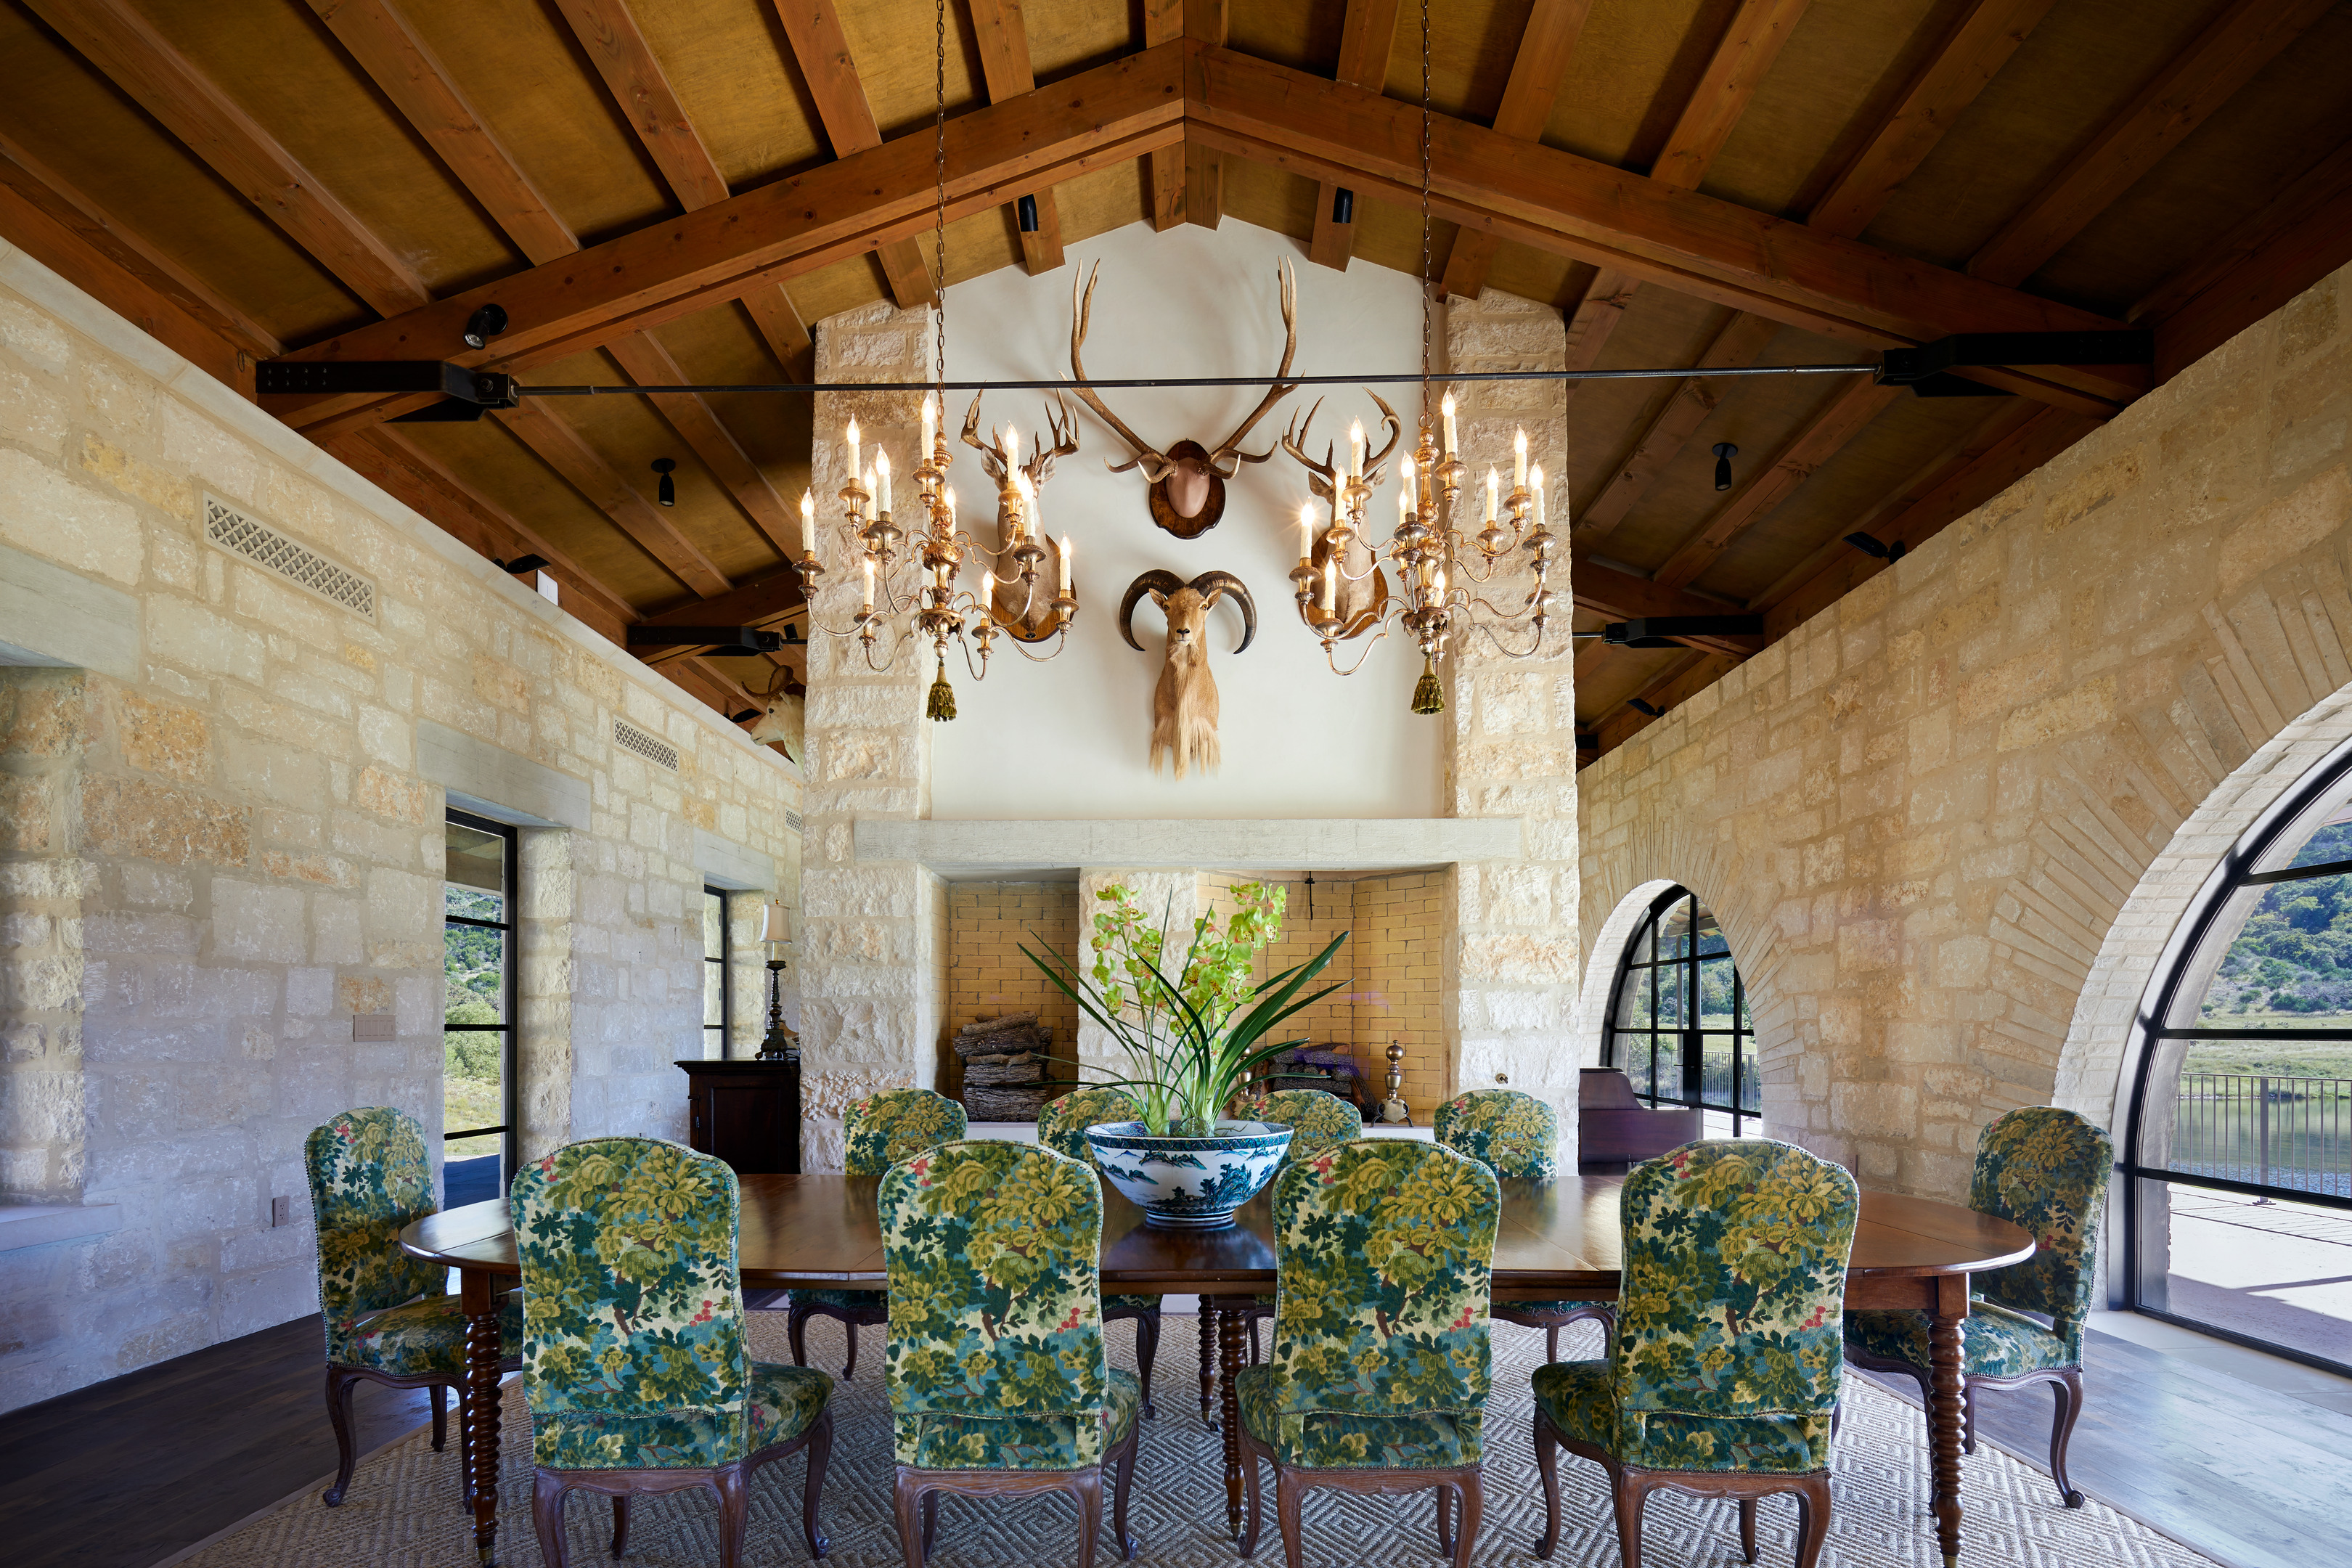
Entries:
{"x":747,"y":1113}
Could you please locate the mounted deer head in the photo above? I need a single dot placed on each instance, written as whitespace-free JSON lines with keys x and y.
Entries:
{"x":783,"y":722}
{"x":1188,"y":480}
{"x":1185,"y":703}
{"x":1361,"y":596}
{"x":1027,"y":616}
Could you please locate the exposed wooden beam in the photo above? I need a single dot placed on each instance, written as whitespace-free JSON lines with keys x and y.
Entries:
{"x":1594,"y":317}
{"x":762,"y":604}
{"x":1100,"y":118}
{"x":1163,"y":23}
{"x":1855,"y":405}
{"x":1003,"y":34}
{"x":560,"y":446}
{"x":72,"y":236}
{"x":124,"y":47}
{"x":813,"y":29}
{"x":1742,"y":339}
{"x":400,"y":63}
{"x":779,"y":324}
{"x":1622,"y":596}
{"x":2239,"y":42}
{"x":1759,"y":31}
{"x":1569,"y":206}
{"x":1684,"y":678}
{"x":1547,"y":44}
{"x":1366,"y":37}
{"x":1971,"y":54}
{"x":643,"y":360}
{"x":1205,"y":23}
{"x":2301,"y":236}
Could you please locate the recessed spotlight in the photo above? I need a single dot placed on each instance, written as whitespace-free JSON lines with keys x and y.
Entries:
{"x":1724,"y":452}
{"x":668,"y":492}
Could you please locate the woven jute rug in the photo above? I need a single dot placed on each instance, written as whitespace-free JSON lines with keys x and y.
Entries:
{"x":404,"y":1507}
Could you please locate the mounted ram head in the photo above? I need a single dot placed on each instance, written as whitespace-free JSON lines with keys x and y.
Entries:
{"x":1188,"y":480}
{"x":1185,"y":703}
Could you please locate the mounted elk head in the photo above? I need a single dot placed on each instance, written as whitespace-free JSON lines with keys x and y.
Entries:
{"x":1363,"y":589}
{"x":1188,"y":480}
{"x":1185,"y":703}
{"x":1026,"y":614}
{"x":783,"y":722}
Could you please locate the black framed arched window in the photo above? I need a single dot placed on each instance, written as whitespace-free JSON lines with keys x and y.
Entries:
{"x":2238,"y":1152}
{"x":1677,"y":1021}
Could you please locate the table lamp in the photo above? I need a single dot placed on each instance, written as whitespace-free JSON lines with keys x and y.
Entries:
{"x":775,"y":935}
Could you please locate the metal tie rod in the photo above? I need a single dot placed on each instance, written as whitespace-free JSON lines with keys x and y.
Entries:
{"x":1173,"y":380}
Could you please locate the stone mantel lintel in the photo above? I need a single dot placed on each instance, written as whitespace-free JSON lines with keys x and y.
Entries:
{"x":1016,"y":850}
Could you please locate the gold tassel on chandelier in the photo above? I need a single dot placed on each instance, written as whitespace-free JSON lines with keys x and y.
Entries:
{"x":943,"y":704}
{"x":1428,"y":697}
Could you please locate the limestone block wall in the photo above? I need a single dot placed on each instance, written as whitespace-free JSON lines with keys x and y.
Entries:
{"x":218,"y":842}
{"x":1511,"y":952}
{"x":873,"y":952}
{"x":1920,"y":815}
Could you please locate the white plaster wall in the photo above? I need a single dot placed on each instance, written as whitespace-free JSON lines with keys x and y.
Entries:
{"x":1071,"y":739}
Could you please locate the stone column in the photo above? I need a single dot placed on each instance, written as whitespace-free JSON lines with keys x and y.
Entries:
{"x":1511,"y":946}
{"x":868,"y":1019}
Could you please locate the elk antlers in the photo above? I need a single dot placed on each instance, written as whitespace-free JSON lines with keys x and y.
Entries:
{"x":1061,"y":423}
{"x":1322,"y":477}
{"x":1227,"y":456}
{"x":1210,"y":585}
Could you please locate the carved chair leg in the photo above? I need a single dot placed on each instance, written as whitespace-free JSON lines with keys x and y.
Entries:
{"x":1547,"y":1465}
{"x":620,"y":1523}
{"x":546,"y":1491}
{"x":1747,"y":1529}
{"x":796,"y":1330}
{"x":1472,"y":1492}
{"x":1147,"y":1350}
{"x":1813,"y":1519}
{"x":2068,"y":1386}
{"x":340,"y":1385}
{"x":440,"y":1392}
{"x":1208,"y":1366}
{"x":1090,"y":1489}
{"x":1444,"y":1520}
{"x":1631,"y":1496}
{"x":1121,"y":1485}
{"x":1253,"y":1503}
{"x":1551,"y":1343}
{"x":1289,"y":1491}
{"x":819,"y":1454}
{"x":1837,"y":1416}
{"x":734,"y":1514}
{"x":930,"y":1522}
{"x":1968,"y":1416}
{"x":906,"y":1500}
{"x":851,"y":1370}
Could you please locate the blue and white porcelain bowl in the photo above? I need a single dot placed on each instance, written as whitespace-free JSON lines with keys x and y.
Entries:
{"x":1189,"y":1184}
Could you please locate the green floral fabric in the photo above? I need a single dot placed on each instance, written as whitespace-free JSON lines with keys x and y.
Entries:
{"x":1061,"y":1124}
{"x":1513,"y":1135}
{"x":1728,"y":1352}
{"x":997,"y":1346}
{"x":370,"y":1181}
{"x":898,"y":1124}
{"x":2045,"y":1168}
{"x":1381,"y":1354}
{"x":1317,"y":1121}
{"x":633,"y":1349}
{"x":1994,"y":1340}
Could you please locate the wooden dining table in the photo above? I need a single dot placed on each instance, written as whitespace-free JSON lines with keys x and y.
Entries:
{"x":1557,"y":1242}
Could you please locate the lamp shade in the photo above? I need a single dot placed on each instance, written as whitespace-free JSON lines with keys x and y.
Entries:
{"x":775,"y":922}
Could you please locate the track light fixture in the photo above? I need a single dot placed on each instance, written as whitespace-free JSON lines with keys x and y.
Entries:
{"x":1343,"y":206}
{"x":485,"y":324}
{"x":668,"y":492}
{"x":745,"y":717}
{"x":1724,"y":452}
{"x":1871,"y":547}
{"x":1025,"y":209}
{"x":1639,"y":705}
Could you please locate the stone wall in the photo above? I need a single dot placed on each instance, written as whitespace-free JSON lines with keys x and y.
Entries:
{"x":1920,"y":815}
{"x":221,"y":836}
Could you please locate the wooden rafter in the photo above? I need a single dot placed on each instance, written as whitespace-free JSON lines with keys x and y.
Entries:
{"x":1163,"y":23}
{"x":1742,"y":339}
{"x":813,"y":27}
{"x":1003,"y":34}
{"x":2239,"y":42}
{"x":404,"y":68}
{"x":561,"y":447}
{"x":760,"y":603}
{"x":642,"y":357}
{"x":124,"y":47}
{"x":1546,"y":46}
{"x":1684,"y":678}
{"x":1366,"y":37}
{"x":1621,"y":596}
{"x":1205,"y":22}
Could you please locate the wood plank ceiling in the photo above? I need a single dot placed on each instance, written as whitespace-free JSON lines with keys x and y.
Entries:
{"x":1706,"y":183}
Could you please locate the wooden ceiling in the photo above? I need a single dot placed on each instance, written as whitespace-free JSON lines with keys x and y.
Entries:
{"x":665,"y":191}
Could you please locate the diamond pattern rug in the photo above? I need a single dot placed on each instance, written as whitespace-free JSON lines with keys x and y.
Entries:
{"x":404,"y":1511}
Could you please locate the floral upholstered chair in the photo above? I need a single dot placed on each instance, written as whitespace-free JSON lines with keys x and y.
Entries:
{"x":1723,"y":1369}
{"x":882,"y":1130}
{"x":389,"y":1318}
{"x":633,"y":1357}
{"x":997,"y":1377}
{"x":1382,"y":1361}
{"x":2046,"y":1170}
{"x":1062,"y":1127}
{"x":1318,"y":1121}
{"x":1517,"y":1135}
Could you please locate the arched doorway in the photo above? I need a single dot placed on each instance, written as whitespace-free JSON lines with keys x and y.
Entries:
{"x":1678,"y":1023}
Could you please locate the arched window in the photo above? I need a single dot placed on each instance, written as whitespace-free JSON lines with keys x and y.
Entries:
{"x":2239,"y":1149}
{"x":1677,"y":1020}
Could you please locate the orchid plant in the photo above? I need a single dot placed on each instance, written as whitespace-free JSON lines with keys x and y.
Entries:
{"x":1193,"y":1036}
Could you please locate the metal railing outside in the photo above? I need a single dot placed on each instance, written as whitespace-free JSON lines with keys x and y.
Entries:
{"x":2292,"y":1133}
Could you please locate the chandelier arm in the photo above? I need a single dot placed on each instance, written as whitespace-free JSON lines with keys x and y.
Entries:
{"x":1360,"y":658}
{"x":1061,"y":637}
{"x":1532,"y":650}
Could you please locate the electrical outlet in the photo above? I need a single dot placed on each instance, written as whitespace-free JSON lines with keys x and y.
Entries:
{"x":281,"y":1212}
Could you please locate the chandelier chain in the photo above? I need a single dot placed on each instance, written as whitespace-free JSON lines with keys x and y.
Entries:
{"x":940,"y":207}
{"x":1425,"y":306}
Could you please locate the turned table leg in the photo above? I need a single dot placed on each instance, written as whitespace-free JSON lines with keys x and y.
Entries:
{"x":481,"y":1413}
{"x":1945,"y":1404}
{"x":1230,"y":1327}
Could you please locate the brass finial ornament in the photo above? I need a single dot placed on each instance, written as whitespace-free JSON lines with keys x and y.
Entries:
{"x":1428,"y":697}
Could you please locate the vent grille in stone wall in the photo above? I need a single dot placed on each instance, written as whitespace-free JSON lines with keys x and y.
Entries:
{"x":298,"y":563}
{"x":629,"y":736}
{"x":793,"y":820}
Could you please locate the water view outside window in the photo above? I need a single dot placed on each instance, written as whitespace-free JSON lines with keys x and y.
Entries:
{"x":2241,"y":1198}
{"x":1678,"y":1023}
{"x":478,"y":1000}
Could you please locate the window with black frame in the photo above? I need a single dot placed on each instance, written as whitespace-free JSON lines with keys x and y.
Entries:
{"x":1678,"y":1023}
{"x":479,"y":991}
{"x":2240,"y":1145}
{"x":717,"y":993}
